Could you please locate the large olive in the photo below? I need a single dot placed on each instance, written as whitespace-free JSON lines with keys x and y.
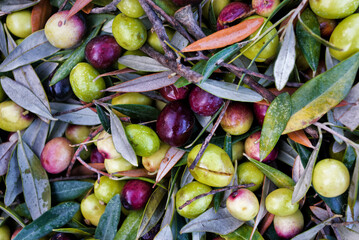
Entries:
{"x":19,"y":23}
{"x":214,"y":168}
{"x":92,"y":209}
{"x":13,"y":117}
{"x":279,"y":202}
{"x":333,"y":9}
{"x":143,"y":139}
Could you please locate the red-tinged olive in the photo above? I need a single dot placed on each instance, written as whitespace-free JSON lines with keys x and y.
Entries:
{"x":96,"y":156}
{"x":175,"y":123}
{"x":260,"y":112}
{"x":326,"y":26}
{"x":172,"y":93}
{"x":237,"y":119}
{"x":231,"y":13}
{"x":265,"y":7}
{"x":102,"y":51}
{"x":251,"y":148}
{"x":204,"y":103}
{"x":63,"y":236}
{"x":135,"y":194}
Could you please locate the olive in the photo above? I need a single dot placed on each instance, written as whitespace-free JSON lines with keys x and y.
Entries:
{"x":106,"y":147}
{"x":289,"y":226}
{"x":154,"y":41}
{"x":251,"y":148}
{"x":92,"y":209}
{"x":131,"y":8}
{"x":130,"y":98}
{"x":218,"y":6}
{"x":2,"y":94}
{"x":5,"y":232}
{"x":172,"y":93}
{"x":13,"y":117}
{"x":333,"y":9}
{"x":237,"y":151}
{"x":249,"y":173}
{"x":204,"y":103}
{"x":19,"y":23}
{"x":117,"y":165}
{"x":242,"y":204}
{"x":152,"y":163}
{"x":77,"y":133}
{"x":237,"y":119}
{"x":96,"y":156}
{"x":135,"y":194}
{"x":60,"y":91}
{"x":105,"y":188}
{"x":279,"y":202}
{"x":265,"y":7}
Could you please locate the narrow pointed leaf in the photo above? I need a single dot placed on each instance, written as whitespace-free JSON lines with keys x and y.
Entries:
{"x":286,"y":59}
{"x":320,"y":213}
{"x":275,"y":120}
{"x":16,"y":5}
{"x":332,"y":120}
{"x":142,"y":63}
{"x":62,"y":191}
{"x":107,"y":226}
{"x":13,"y":180}
{"x":164,"y":233}
{"x":35,"y":136}
{"x":129,"y":227}
{"x":300,"y":137}
{"x":304,"y":182}
{"x":79,"y":4}
{"x":138,"y":111}
{"x":120,"y":140}
{"x":36,"y":186}
{"x":12,"y":214}
{"x":6,"y":149}
{"x":172,"y":156}
{"x":82,"y":117}
{"x":279,"y":179}
{"x":243,"y":233}
{"x":320,"y":94}
{"x":354,"y":184}
{"x":54,"y":218}
{"x":3,"y":46}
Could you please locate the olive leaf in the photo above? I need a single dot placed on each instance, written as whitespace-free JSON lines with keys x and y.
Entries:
{"x":146,"y":83}
{"x":107,"y":226}
{"x":82,"y":117}
{"x":36,"y":186}
{"x":3,"y":46}
{"x":286,"y":153}
{"x":62,"y":191}
{"x":320,"y":213}
{"x":6,"y":149}
{"x":57,"y":129}
{"x":129,"y":227}
{"x":164,"y":233}
{"x":304,"y":182}
{"x":12,"y":214}
{"x":286,"y":59}
{"x":243,"y":233}
{"x":329,"y":60}
{"x":230,"y":91}
{"x":16,"y":5}
{"x":353,"y":187}
{"x":138,"y":111}
{"x":32,"y":49}
{"x":186,"y":177}
{"x":13,"y":180}
{"x":54,"y":218}
{"x":25,"y":98}
{"x":142,"y":63}
{"x":346,"y":233}
{"x":335,"y":122}
{"x":86,"y":232}
{"x":44,"y":70}
{"x":220,"y":222}
{"x":275,"y":120}
{"x":35,"y":136}
{"x":320,"y":94}
{"x":120,"y":140}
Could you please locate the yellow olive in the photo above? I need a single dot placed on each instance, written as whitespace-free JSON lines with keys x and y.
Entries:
{"x":19,"y":23}
{"x":92,"y":209}
{"x":106,"y":188}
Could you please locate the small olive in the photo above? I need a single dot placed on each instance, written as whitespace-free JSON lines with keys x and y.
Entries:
{"x":131,"y":8}
{"x":106,"y":147}
{"x":5,"y":232}
{"x":155,"y":42}
{"x":77,"y":133}
{"x":92,"y":209}
{"x":249,"y":173}
{"x":279,"y":202}
{"x":106,"y":188}
{"x":152,"y":163}
{"x":19,"y":23}
{"x":117,"y":165}
{"x":242,"y":204}
{"x":13,"y":117}
{"x":130,"y":98}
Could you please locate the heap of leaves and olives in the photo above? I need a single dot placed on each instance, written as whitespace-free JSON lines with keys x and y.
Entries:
{"x":141,"y":148}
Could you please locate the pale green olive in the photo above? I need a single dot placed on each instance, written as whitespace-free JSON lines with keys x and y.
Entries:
{"x":106,"y":188}
{"x":19,"y":23}
{"x":92,"y":209}
{"x":152,"y":163}
{"x":333,"y":9}
{"x":131,"y":8}
{"x":154,"y":41}
{"x":117,"y":165}
{"x":130,"y":98}
{"x":279,"y":202}
{"x":249,"y":173}
{"x":13,"y":117}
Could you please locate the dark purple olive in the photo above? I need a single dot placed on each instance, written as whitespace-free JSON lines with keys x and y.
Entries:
{"x":60,"y":91}
{"x":102,"y":51}
{"x":231,"y":13}
{"x":260,"y":112}
{"x":175,"y":123}
{"x":63,"y":236}
{"x":135,"y":194}
{"x":172,"y":93}
{"x":150,"y":235}
{"x":96,"y":156}
{"x":204,"y":103}
{"x":182,"y":3}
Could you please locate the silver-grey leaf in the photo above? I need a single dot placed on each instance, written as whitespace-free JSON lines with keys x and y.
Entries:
{"x":286,"y":153}
{"x":229,"y":91}
{"x":142,"y":63}
{"x":244,"y":62}
{"x":120,"y":140}
{"x":329,"y":60}
{"x":35,"y":136}
{"x":286,"y":59}
{"x":32,"y":49}
{"x":204,"y":120}
{"x":186,"y":178}
{"x":179,"y":41}
{"x":220,"y":222}
{"x":5,"y":155}
{"x":13,"y":180}
{"x":346,"y":233}
{"x":57,"y":129}
{"x":304,"y":182}
{"x":3,"y":45}
{"x":320,"y":213}
{"x":199,"y":236}
{"x":83,"y":117}
{"x":9,"y":6}
{"x":171,"y":209}
{"x":335,"y":122}
{"x":25,"y":98}
{"x":45,"y":69}
{"x":353,"y":187}
{"x":164,"y":233}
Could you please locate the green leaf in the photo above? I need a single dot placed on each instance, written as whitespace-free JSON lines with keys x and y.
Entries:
{"x":138,"y":111}
{"x":12,"y":214}
{"x":107,"y":227}
{"x":54,"y":218}
{"x":198,"y":67}
{"x":77,"y":231}
{"x":23,"y":211}
{"x":13,"y":180}
{"x":307,"y":43}
{"x":129,"y":228}
{"x":280,"y":179}
{"x":62,"y":191}
{"x":349,"y":158}
{"x":35,"y":183}
{"x":275,"y":120}
{"x":105,"y":121}
{"x":153,"y":211}
{"x":243,"y":233}
{"x":320,"y":94}
{"x":336,"y":204}
{"x":212,"y":16}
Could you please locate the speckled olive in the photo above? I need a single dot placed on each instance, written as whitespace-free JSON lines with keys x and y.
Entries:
{"x":81,"y":80}
{"x":106,"y":188}
{"x":249,"y":173}
{"x":131,"y":8}
{"x":279,"y":202}
{"x":214,"y":168}
{"x":19,"y":23}
{"x":13,"y":117}
{"x":63,"y":33}
{"x":143,"y":139}
{"x":153,"y":162}
{"x":92,"y":209}
{"x":242,"y":204}
{"x":154,"y":41}
{"x":129,"y":32}
{"x":197,"y":207}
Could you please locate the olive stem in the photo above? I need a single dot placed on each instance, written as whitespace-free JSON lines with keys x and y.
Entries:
{"x":111,"y":7}
{"x":188,"y":202}
{"x":209,"y":137}
{"x":159,"y":28}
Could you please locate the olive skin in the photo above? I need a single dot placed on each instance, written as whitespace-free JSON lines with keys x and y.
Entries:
{"x":96,"y":156}
{"x":143,"y":139}
{"x":106,"y":147}
{"x":131,"y":8}
{"x":117,"y":165}
{"x":64,"y":34}
{"x":346,"y":36}
{"x":218,"y":6}
{"x":81,"y":80}
{"x":152,"y":163}
{"x":13,"y":117}
{"x":204,"y":103}
{"x":135,"y":194}
{"x":289,"y":226}
{"x":60,"y":91}
{"x":279,"y":202}
{"x":197,"y":207}
{"x":2,"y":94}
{"x":333,"y":9}
{"x":249,"y":173}
{"x":5,"y":232}
{"x":172,"y":93}
{"x":92,"y":209}
{"x":175,"y":123}
{"x":251,"y":148}
{"x":106,"y":188}
{"x":19,"y":23}
{"x":243,"y":204}
{"x":130,"y":33}
{"x":214,"y":168}
{"x":331,"y":178}
{"x":77,"y":133}
{"x":154,"y":41}
{"x":237,"y":119}
{"x":265,"y":7}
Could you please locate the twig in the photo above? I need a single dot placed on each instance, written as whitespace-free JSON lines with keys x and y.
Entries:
{"x":111,"y":7}
{"x":185,"y":16}
{"x":92,"y":168}
{"x":188,"y":202}
{"x":159,"y":29}
{"x":209,"y":137}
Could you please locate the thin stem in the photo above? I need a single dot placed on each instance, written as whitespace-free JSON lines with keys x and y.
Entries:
{"x":109,"y":8}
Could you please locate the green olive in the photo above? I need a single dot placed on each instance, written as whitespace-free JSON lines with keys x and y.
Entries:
{"x":117,"y":165}
{"x":2,"y":94}
{"x":143,"y":139}
{"x":13,"y":117}
{"x":5,"y":232}
{"x":152,"y":163}
{"x":333,"y":9}
{"x":77,"y":133}
{"x":155,"y":42}
{"x":18,"y":41}
{"x":214,"y":168}
{"x":81,"y":80}
{"x":131,"y":8}
{"x":279,"y":202}
{"x":218,"y":5}
{"x":331,"y":178}
{"x":197,"y":207}
{"x":346,"y":37}
{"x":249,"y":173}
{"x":92,"y":209}
{"x":130,"y":98}
{"x":106,"y":188}
{"x":130,"y":33}
{"x":269,"y":51}
{"x":237,"y":150}
{"x":19,"y":23}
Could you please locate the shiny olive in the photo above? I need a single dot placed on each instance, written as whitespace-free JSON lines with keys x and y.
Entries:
{"x":13,"y":117}
{"x":105,"y":188}
{"x":279,"y":202}
{"x":143,"y":139}
{"x":249,"y":173}
{"x":130,"y":98}
{"x":92,"y":209}
{"x":19,"y":23}
{"x":333,"y":9}
{"x":131,"y":8}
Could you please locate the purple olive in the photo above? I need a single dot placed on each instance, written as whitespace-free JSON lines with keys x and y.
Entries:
{"x":175,"y":123}
{"x":204,"y":103}
{"x":150,"y":235}
{"x":63,"y":236}
{"x":135,"y":194}
{"x":60,"y":91}
{"x":182,"y":3}
{"x":172,"y":93}
{"x":231,"y":13}
{"x":102,"y":51}
{"x":260,"y":111}
{"x":96,"y":156}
